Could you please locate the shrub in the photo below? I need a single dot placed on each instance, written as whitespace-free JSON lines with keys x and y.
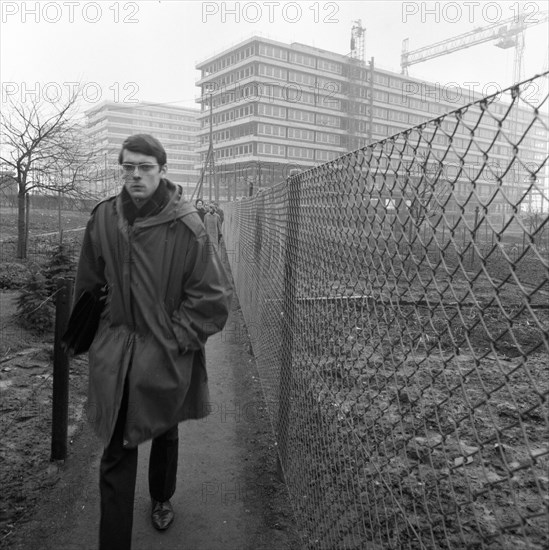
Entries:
{"x":13,"y":275}
{"x":36,"y":303}
{"x":35,"y":306}
{"x":60,"y":264}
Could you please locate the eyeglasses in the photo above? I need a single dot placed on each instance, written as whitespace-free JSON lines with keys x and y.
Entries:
{"x":128,"y":168}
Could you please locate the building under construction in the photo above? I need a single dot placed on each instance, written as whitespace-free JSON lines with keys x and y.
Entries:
{"x":269,"y":107}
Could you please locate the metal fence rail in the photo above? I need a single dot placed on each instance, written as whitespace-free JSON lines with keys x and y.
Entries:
{"x":397,"y":299}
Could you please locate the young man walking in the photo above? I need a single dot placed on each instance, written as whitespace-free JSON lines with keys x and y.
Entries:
{"x":167,"y":292}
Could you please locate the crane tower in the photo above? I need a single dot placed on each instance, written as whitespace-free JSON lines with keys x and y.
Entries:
{"x":357,"y":40}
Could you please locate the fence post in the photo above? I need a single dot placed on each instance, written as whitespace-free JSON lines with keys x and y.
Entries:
{"x":60,"y":406}
{"x":289,"y":311}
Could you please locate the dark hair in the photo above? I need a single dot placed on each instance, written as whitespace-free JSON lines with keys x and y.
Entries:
{"x":144,"y":144}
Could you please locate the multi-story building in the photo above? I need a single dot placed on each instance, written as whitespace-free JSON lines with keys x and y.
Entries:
{"x":276,"y":106}
{"x":110,"y":123}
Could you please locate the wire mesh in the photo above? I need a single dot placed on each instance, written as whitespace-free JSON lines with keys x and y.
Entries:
{"x":397,"y":299}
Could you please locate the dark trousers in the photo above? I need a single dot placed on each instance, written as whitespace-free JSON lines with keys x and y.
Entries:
{"x":117,"y":474}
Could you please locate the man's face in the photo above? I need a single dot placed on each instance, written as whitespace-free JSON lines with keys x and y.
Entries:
{"x":141,"y":182}
{"x":199,"y":205}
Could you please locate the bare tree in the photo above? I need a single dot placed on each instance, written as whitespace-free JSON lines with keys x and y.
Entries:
{"x":45,"y":149}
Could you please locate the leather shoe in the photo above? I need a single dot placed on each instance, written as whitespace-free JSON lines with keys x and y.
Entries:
{"x":162,"y":514}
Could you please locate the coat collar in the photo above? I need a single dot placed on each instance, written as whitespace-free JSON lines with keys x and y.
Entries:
{"x":151,"y":207}
{"x":175,"y":207}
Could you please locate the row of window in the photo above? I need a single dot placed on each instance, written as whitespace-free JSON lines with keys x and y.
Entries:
{"x":228,"y":60}
{"x":532,"y":155}
{"x":274,"y":150}
{"x":330,"y":66}
{"x":292,"y":152}
{"x":299,"y":58}
{"x":298,"y":115}
{"x":297,"y":133}
{"x":161,"y":134}
{"x":275,"y":111}
{"x":273,"y":130}
{"x":123,"y":123}
{"x":288,"y":92}
{"x":179,"y":156}
{"x":178,"y":166}
{"x":232,"y":152}
{"x":312,"y":81}
{"x":273,"y":72}
{"x":182,"y":137}
{"x":137,"y":123}
{"x":271,"y":90}
{"x":227,"y":116}
{"x":274,"y":52}
{"x":166,"y":116}
{"x":225,"y":80}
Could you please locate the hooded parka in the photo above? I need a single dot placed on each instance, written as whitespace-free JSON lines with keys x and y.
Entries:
{"x":167,"y":292}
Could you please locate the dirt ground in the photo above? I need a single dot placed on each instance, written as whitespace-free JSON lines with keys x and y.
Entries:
{"x":447,"y":406}
{"x":26,"y":364}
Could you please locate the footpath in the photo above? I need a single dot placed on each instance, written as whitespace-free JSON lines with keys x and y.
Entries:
{"x":228,"y":494}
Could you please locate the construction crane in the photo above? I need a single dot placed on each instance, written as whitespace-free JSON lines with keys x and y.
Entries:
{"x":508,"y":32}
{"x":357,"y":40}
{"x":356,"y":59}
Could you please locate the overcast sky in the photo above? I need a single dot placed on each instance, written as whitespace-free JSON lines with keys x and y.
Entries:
{"x":147,"y":50}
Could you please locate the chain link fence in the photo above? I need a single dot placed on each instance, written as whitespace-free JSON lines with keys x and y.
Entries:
{"x":397,"y":299}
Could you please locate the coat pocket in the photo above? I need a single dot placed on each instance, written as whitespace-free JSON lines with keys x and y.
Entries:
{"x":166,"y":333}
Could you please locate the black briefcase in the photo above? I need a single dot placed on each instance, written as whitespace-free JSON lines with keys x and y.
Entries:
{"x":84,"y":321}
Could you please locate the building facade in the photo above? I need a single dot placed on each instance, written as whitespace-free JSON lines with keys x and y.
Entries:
{"x":110,"y":123}
{"x":276,"y":106}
